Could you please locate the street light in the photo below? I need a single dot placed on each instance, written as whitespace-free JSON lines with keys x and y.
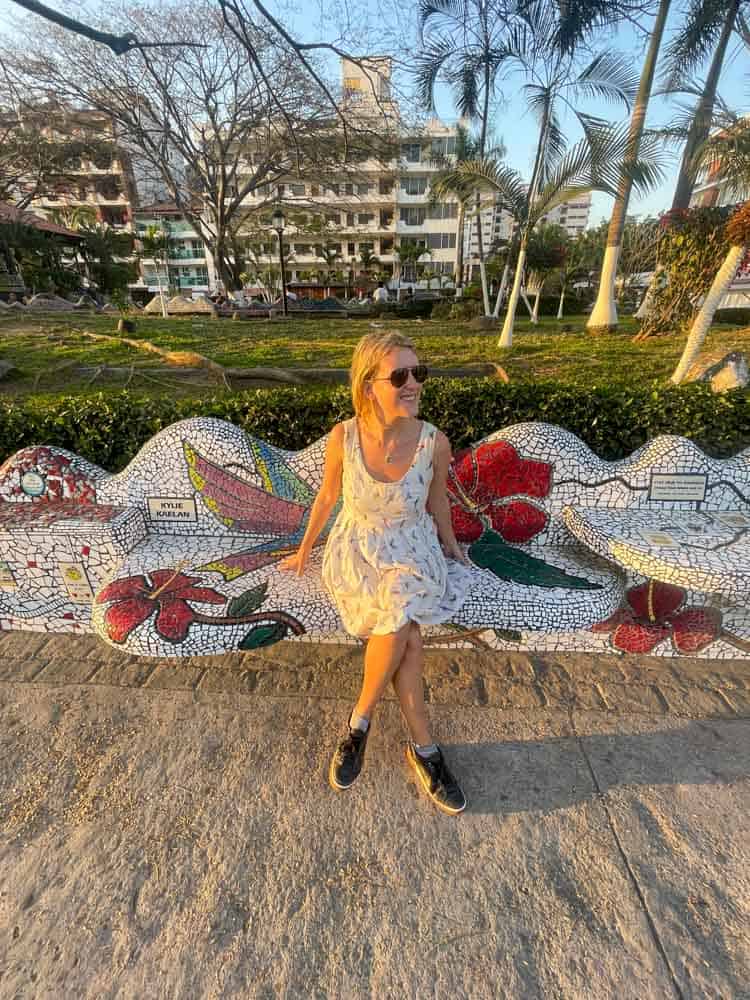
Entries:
{"x":277,"y":222}
{"x":162,"y":255}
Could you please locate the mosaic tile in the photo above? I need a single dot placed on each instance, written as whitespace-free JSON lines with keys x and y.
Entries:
{"x":178,"y":554}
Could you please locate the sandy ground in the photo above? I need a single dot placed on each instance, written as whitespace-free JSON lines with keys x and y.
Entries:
{"x":182,"y":842}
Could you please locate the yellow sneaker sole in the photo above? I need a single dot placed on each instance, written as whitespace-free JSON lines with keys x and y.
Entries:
{"x":423,"y":782}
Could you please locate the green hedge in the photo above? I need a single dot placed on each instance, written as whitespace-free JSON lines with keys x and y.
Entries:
{"x":109,"y":430}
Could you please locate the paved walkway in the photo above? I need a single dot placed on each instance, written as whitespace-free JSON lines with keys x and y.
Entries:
{"x":166,"y":829}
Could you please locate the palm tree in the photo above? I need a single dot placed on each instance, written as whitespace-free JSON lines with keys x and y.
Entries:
{"x":604,"y":314}
{"x":407,"y":253}
{"x":593,"y":164}
{"x":709,"y":25}
{"x":545,"y":252}
{"x":368,"y":259}
{"x":728,"y":157}
{"x":467,"y":148}
{"x":552,"y":81}
{"x":463,"y":43}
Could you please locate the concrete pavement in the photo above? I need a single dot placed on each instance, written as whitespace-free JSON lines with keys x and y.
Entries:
{"x":166,"y":829}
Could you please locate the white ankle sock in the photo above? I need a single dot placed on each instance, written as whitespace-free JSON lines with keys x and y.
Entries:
{"x":359,"y":722}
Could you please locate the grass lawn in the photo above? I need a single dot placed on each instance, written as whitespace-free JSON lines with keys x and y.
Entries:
{"x":48,"y":351}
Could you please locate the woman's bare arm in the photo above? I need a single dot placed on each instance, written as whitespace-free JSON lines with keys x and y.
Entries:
{"x":325,"y":501}
{"x":437,"y":498}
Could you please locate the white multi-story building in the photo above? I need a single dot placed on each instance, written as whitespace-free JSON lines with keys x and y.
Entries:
{"x":373,"y":208}
{"x":182,"y":264}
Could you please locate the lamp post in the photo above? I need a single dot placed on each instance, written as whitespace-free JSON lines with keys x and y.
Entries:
{"x":347,"y":278}
{"x":277,"y":221}
{"x":162,"y":255}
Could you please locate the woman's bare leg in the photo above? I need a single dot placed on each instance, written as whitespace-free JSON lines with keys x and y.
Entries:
{"x":383,"y":657}
{"x":409,"y":686}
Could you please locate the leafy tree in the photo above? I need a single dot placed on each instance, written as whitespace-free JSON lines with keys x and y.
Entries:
{"x":708,"y":28}
{"x":727,"y":155}
{"x":604,"y":314}
{"x":215,"y":127}
{"x":546,"y":250}
{"x":464,"y":44}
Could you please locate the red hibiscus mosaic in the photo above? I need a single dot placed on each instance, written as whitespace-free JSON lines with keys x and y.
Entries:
{"x":61,"y":480}
{"x":134,"y":599}
{"x":656,"y":612}
{"x":486,"y":486}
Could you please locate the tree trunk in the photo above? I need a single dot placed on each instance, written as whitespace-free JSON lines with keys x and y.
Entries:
{"x":535,"y":312}
{"x":501,"y":289}
{"x":506,"y":337}
{"x":703,"y":320}
{"x":459,"y":273}
{"x":701,"y":123}
{"x":480,"y":251}
{"x":560,"y":307}
{"x":604,"y":313}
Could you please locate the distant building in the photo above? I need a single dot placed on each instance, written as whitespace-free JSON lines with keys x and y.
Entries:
{"x":105,"y":184}
{"x":372,"y":208}
{"x":184,"y":265}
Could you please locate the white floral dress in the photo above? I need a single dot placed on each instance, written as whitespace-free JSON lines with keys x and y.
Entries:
{"x":383,"y":565}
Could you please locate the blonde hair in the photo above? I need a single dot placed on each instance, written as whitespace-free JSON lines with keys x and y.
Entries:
{"x":368,"y":354}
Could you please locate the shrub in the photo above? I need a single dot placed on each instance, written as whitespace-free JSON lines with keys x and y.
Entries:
{"x":463,"y":309}
{"x":442,"y":310}
{"x":109,"y":430}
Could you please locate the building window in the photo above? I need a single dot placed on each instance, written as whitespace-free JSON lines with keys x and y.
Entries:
{"x":314,"y":190}
{"x":365,"y":218}
{"x":349,"y":189}
{"x":364,"y":247}
{"x":302,"y":248}
{"x":386,"y":245}
{"x":411,"y":152}
{"x":386,"y":218}
{"x":352,"y":83}
{"x":385,"y":186}
{"x":364,"y":188}
{"x":350,"y":249}
{"x":333,"y":217}
{"x":333,"y":188}
{"x":414,"y":185}
{"x":442,"y":148}
{"x":297,"y":189}
{"x":441,"y":241}
{"x":412,"y":216}
{"x":445,"y":210}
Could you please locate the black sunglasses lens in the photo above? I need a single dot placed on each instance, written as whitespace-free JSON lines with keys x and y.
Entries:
{"x":399,"y":377}
{"x":420,"y":373}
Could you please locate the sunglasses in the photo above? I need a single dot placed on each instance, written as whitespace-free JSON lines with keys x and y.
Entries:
{"x":400,"y":376}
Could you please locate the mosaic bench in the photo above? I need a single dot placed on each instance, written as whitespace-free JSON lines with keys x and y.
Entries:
{"x":177,"y":555}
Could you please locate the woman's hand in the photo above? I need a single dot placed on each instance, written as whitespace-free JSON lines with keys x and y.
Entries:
{"x":453,"y":550}
{"x":296,"y":562}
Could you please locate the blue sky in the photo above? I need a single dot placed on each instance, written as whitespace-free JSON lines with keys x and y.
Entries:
{"x":384,"y":22}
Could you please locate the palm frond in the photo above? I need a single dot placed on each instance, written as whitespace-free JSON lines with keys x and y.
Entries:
{"x":487,"y":174}
{"x":609,"y":76}
{"x":578,"y":21}
{"x":430,"y":63}
{"x":725,"y":157}
{"x":465,"y":90}
{"x":695,"y":40}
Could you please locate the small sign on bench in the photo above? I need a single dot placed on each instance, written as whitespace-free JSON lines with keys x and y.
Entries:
{"x":172,"y":509}
{"x":677,"y":486}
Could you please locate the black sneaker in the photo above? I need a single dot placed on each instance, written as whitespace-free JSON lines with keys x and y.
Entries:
{"x":347,"y":761}
{"x":437,"y":780}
